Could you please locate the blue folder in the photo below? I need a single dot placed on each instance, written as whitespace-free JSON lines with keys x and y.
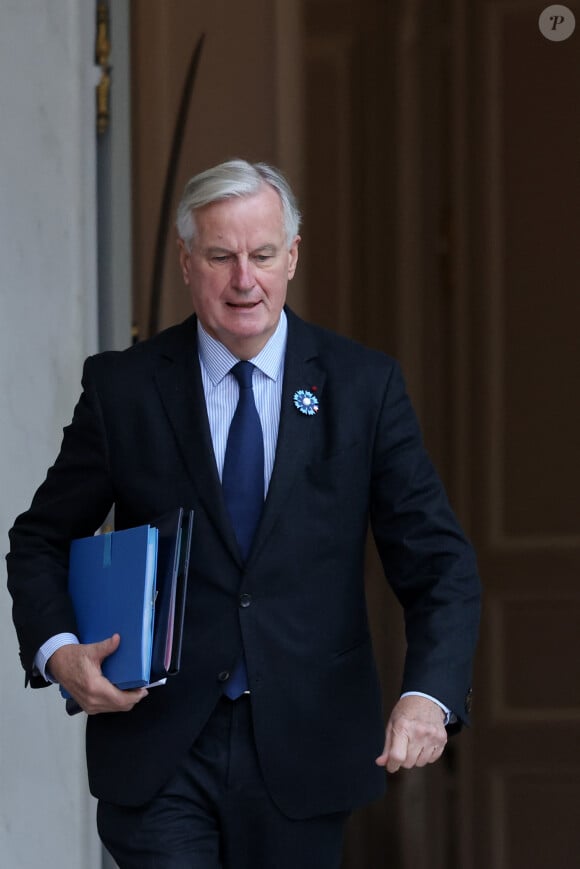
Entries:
{"x":112,"y":583}
{"x":134,"y":583}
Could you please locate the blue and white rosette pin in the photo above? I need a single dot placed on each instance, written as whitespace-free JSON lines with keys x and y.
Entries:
{"x":306,"y":402}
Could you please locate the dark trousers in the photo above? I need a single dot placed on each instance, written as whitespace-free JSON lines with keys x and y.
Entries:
{"x":215,"y":813}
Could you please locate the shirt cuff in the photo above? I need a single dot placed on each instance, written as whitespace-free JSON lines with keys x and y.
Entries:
{"x":450,"y":717}
{"x":49,"y":648}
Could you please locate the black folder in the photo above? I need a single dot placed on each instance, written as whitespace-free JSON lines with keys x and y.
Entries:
{"x":174,"y":548}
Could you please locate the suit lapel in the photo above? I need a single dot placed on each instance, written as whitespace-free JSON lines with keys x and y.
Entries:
{"x":178,"y":380}
{"x":298,"y":433}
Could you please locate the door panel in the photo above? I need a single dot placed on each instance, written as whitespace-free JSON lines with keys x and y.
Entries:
{"x":523,"y":206}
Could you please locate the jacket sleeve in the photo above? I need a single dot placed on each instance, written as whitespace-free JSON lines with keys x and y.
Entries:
{"x":427,"y":559}
{"x":72,"y":502}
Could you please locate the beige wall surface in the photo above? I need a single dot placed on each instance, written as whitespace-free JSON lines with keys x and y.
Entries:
{"x":48,"y":325}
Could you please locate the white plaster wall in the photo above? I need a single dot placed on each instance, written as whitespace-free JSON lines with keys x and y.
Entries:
{"x":47,"y":327}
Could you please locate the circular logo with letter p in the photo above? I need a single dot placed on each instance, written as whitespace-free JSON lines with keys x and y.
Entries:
{"x":557,"y":23}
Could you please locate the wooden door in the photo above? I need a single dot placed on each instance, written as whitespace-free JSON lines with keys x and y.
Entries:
{"x":519,"y":276}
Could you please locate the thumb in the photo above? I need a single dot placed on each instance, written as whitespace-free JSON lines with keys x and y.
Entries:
{"x":106,"y":647}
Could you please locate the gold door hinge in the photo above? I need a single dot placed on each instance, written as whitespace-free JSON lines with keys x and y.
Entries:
{"x":102,"y":57}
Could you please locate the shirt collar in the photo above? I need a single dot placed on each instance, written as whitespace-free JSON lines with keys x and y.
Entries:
{"x":218,"y":360}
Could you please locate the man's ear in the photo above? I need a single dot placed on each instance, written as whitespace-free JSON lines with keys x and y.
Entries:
{"x":293,"y":257}
{"x":184,"y":257}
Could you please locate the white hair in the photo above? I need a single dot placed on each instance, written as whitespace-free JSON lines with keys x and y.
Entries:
{"x":235,"y":178}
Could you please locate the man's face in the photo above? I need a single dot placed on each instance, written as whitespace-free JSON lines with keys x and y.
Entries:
{"x":238,"y":269}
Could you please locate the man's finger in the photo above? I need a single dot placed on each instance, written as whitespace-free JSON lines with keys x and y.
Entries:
{"x":381,"y":760}
{"x":398,"y":751}
{"x":114,"y":701}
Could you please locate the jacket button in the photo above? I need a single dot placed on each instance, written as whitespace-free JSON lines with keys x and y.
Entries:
{"x":245,"y":600}
{"x":223,"y":676}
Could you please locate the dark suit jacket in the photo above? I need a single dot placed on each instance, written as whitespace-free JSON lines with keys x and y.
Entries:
{"x":140,"y":439}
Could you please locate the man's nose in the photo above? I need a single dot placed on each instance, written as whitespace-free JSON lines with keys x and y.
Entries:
{"x":243,"y":274}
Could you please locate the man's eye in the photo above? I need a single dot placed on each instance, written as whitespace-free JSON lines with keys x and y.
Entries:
{"x":222,"y":258}
{"x":262,"y":257}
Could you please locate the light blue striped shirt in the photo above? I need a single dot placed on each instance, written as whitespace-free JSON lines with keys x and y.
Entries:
{"x":222,"y":391}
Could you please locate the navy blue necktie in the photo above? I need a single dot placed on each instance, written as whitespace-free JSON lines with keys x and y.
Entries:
{"x":243,"y":485}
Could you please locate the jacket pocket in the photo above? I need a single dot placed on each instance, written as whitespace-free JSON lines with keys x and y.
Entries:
{"x":352,"y":648}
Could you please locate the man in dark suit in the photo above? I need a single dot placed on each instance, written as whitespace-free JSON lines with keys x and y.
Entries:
{"x":272,"y":732}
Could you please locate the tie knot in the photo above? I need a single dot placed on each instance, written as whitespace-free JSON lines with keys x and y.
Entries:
{"x":243,"y":372}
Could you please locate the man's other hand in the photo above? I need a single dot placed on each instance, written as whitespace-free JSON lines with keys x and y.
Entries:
{"x":415,"y":735}
{"x":78,"y":669}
